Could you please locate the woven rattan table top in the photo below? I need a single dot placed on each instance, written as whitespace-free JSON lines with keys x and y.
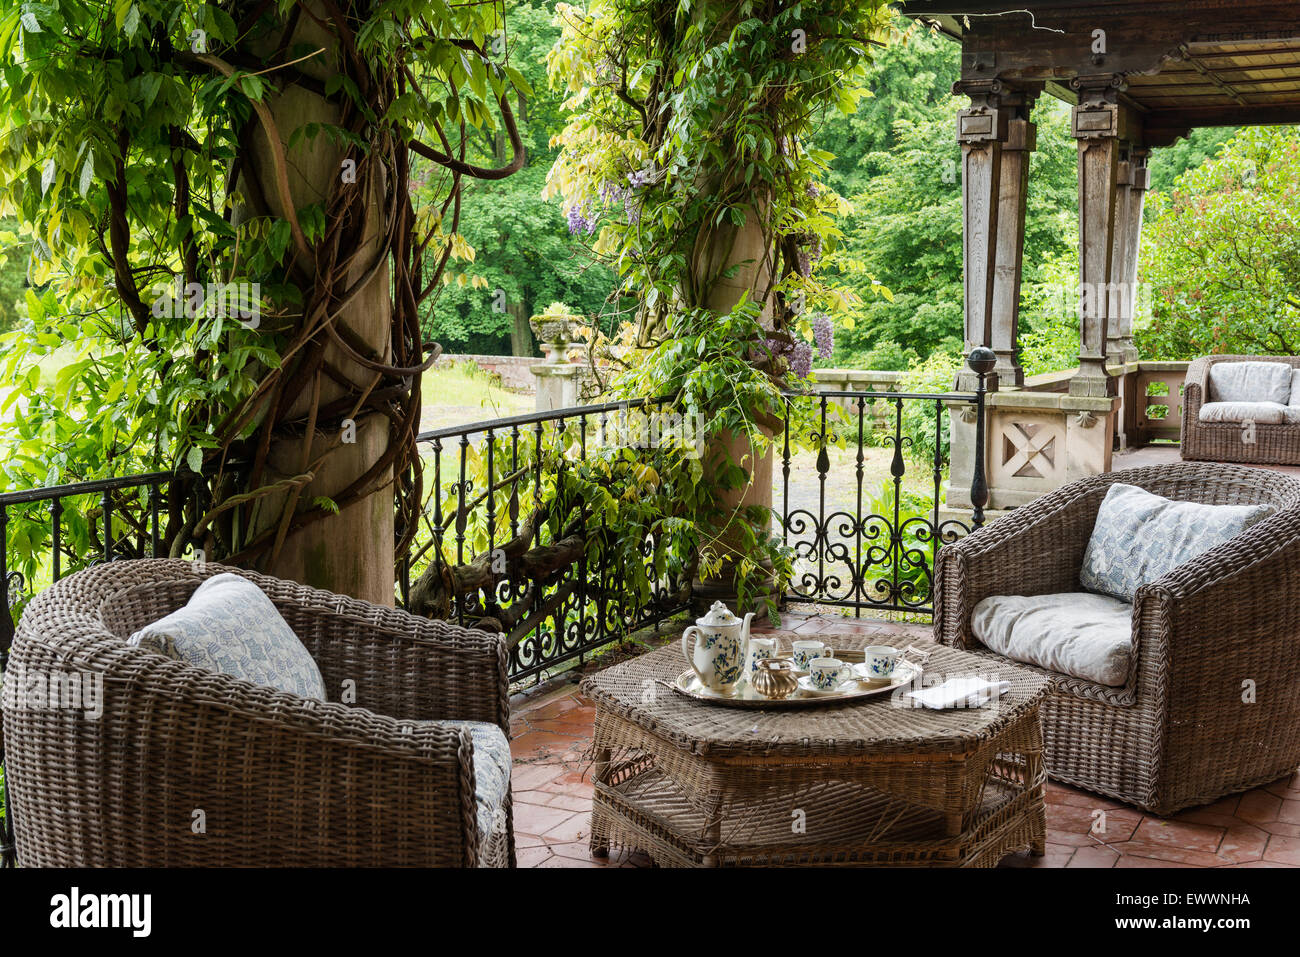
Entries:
{"x":633,"y":690}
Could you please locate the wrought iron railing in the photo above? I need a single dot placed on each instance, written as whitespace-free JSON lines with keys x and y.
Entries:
{"x":492,"y":548}
{"x":869,"y":547}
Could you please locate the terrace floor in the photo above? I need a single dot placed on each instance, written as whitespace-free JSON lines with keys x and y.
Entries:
{"x":552,"y":797}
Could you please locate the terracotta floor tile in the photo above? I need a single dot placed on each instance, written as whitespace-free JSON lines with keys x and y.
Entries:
{"x":1179,"y":834}
{"x":1127,"y":863}
{"x":1289,"y":812}
{"x":540,"y":744}
{"x":1272,"y":864}
{"x":576,"y":827}
{"x":569,"y":782}
{"x":532,"y":819}
{"x":581,"y":851}
{"x":532,"y":856}
{"x":571,"y":862}
{"x":1177,"y":855}
{"x":526,"y":777}
{"x":1283,"y":828}
{"x":1093,"y":856}
{"x":1077,"y":822}
{"x":1258,"y":807}
{"x":570,"y":802}
{"x":1283,"y":850}
{"x":1242,"y":843}
{"x":553,"y":790}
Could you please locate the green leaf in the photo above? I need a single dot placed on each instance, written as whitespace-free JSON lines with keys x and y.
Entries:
{"x":194,"y":459}
{"x":87,"y":173}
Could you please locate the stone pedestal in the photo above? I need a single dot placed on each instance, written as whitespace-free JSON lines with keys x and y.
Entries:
{"x":559,"y":385}
{"x":1035,"y":442}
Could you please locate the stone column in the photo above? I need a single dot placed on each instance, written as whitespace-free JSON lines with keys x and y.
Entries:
{"x":1096,"y":128}
{"x":981,"y":131}
{"x":1010,"y":248}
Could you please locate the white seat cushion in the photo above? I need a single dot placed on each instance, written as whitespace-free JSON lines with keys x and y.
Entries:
{"x":1294,"y":400}
{"x":229,"y":626}
{"x":1250,"y":382}
{"x":1138,"y":537}
{"x":492,"y":762}
{"x":1073,"y":633}
{"x":1261,"y":413}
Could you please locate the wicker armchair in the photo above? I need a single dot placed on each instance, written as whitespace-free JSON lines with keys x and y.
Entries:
{"x":1178,"y":733}
{"x":280,"y":780}
{"x":1222,"y":441}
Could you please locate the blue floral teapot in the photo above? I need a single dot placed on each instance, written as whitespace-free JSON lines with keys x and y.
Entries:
{"x":718,"y":651}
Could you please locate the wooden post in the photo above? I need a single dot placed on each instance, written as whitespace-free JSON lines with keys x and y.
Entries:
{"x":981,"y":131}
{"x":1139,"y":183}
{"x":1096,"y":128}
{"x":1010,"y":251}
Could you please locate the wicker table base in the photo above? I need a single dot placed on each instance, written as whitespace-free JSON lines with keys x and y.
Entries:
{"x":696,"y":785}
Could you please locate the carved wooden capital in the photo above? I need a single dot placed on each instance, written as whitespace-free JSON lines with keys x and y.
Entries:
{"x":1095,"y":121}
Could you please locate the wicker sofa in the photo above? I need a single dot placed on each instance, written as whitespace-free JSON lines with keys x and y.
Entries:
{"x":1178,"y":732}
{"x":1270,"y":443}
{"x":279,"y":780}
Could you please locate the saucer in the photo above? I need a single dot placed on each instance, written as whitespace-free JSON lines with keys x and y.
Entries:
{"x":805,"y":684}
{"x":862,"y":673}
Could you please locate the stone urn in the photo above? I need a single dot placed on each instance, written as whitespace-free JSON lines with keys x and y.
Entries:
{"x":557,"y":331}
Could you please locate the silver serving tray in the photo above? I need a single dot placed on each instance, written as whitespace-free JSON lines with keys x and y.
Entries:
{"x":744,"y":696}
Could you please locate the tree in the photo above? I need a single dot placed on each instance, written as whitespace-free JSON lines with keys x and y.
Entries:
{"x":905,"y":231}
{"x":220,"y":200}
{"x":1221,"y":255}
{"x":525,"y":255}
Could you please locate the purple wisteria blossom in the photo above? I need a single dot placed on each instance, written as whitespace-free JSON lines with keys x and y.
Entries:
{"x":824,"y":334}
{"x":578,"y":221}
{"x":801,"y":360}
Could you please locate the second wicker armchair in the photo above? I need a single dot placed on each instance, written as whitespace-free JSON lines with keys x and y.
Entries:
{"x":1211,"y":702}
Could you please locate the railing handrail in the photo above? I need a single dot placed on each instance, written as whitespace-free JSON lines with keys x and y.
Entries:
{"x":532,"y":418}
{"x":89,"y":487}
{"x":575,"y":411}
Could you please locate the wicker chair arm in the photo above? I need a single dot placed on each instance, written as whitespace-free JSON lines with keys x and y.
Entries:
{"x":1035,"y":550}
{"x":1229,"y":616}
{"x":397,"y":664}
{"x":279,"y":780}
{"x":1196,"y":387}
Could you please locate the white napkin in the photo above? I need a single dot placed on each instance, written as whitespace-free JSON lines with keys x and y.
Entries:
{"x":960,"y":693}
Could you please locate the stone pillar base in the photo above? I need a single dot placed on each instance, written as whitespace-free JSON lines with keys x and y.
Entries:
{"x":1035,"y":442}
{"x":558,"y":385}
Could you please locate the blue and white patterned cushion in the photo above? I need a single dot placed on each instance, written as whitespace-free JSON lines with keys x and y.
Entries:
{"x":1138,"y":537}
{"x":229,"y":626}
{"x":492,"y":763}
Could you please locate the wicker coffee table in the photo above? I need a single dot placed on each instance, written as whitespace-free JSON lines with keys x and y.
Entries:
{"x":875,"y":782}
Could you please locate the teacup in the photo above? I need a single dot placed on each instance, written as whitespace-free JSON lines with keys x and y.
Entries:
{"x":826,"y":674}
{"x":804,"y":651}
{"x":881,"y":660}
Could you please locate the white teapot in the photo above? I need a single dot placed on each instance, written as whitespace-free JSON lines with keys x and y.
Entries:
{"x":718,"y":652}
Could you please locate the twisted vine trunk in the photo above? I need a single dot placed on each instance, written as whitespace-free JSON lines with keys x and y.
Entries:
{"x":350,"y":551}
